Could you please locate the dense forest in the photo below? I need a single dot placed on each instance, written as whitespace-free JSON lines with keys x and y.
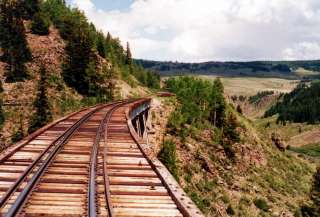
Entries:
{"x":282,"y":69}
{"x":301,"y":105}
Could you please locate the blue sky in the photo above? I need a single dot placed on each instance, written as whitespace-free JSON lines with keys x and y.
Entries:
{"x":211,"y":30}
{"x":110,"y":4}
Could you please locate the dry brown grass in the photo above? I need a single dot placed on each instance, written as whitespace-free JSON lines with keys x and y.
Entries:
{"x":249,"y":86}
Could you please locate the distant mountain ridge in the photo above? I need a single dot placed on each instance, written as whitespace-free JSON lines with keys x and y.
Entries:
{"x":282,"y":69}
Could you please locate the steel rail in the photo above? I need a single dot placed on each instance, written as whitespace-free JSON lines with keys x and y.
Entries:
{"x":105,"y":170}
{"x":13,"y":187}
{"x":33,"y":135}
{"x":22,"y":197}
{"x":105,"y":173}
{"x":92,"y":190}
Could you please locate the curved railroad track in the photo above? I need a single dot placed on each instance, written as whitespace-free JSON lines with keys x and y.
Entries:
{"x":91,"y":163}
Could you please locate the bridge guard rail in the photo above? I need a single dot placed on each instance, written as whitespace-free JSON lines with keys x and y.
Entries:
{"x":183,"y":202}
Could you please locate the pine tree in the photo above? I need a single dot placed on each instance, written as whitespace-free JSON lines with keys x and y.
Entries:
{"x":128,"y":55}
{"x":40,"y":24}
{"x":19,"y":134}
{"x":218,"y":105}
{"x":2,"y":119}
{"x":79,"y":60}
{"x":42,"y":113}
{"x":31,"y":7}
{"x":230,"y":135}
{"x":101,"y":46}
{"x":13,"y":41}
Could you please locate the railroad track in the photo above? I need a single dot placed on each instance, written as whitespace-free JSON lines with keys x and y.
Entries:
{"x":91,"y":163}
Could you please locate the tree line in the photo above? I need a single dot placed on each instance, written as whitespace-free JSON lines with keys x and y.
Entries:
{"x":300,"y":105}
{"x":255,"y":99}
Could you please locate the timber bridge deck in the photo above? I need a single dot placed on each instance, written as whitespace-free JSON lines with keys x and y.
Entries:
{"x":91,"y":163}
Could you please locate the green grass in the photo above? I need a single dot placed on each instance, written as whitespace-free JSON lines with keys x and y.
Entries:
{"x":167,"y":156}
{"x":312,"y":150}
{"x":284,"y":174}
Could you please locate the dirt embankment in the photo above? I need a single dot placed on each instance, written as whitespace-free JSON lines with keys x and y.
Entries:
{"x":46,"y":50}
{"x":157,"y":122}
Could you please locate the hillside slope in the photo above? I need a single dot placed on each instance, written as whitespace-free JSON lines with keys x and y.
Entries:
{"x":51,"y":51}
{"x":258,"y":179}
{"x":223,"y":188}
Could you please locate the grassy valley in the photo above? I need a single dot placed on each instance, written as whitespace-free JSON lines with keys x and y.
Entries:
{"x":265,"y":69}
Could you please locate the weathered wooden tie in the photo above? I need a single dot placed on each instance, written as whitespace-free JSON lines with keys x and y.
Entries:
{"x":91,"y":163}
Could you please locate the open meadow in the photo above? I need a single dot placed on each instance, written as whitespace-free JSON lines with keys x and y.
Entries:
{"x":248,"y":86}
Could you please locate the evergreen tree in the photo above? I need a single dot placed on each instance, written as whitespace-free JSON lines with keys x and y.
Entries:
{"x":217,"y":101}
{"x":301,"y":105}
{"x":19,"y":134}
{"x":31,"y":7}
{"x":230,"y":135}
{"x":108,"y":47}
{"x":82,"y":39}
{"x":128,"y":55}
{"x":40,"y":24}
{"x":2,"y":119}
{"x":13,"y":41}
{"x":79,"y":60}
{"x":101,"y":45}
{"x":42,"y":113}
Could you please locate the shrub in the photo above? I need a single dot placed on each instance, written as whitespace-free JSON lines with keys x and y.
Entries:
{"x":19,"y":134}
{"x":230,"y":135}
{"x":201,"y":203}
{"x":225,"y":198}
{"x":175,"y":121}
{"x":167,"y":156}
{"x":261,"y":204}
{"x":40,"y":24}
{"x":239,"y":109}
{"x":230,"y":210}
{"x":2,"y":118}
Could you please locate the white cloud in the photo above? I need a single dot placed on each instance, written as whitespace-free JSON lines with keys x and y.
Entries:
{"x":200,"y":30}
{"x":302,"y":51}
